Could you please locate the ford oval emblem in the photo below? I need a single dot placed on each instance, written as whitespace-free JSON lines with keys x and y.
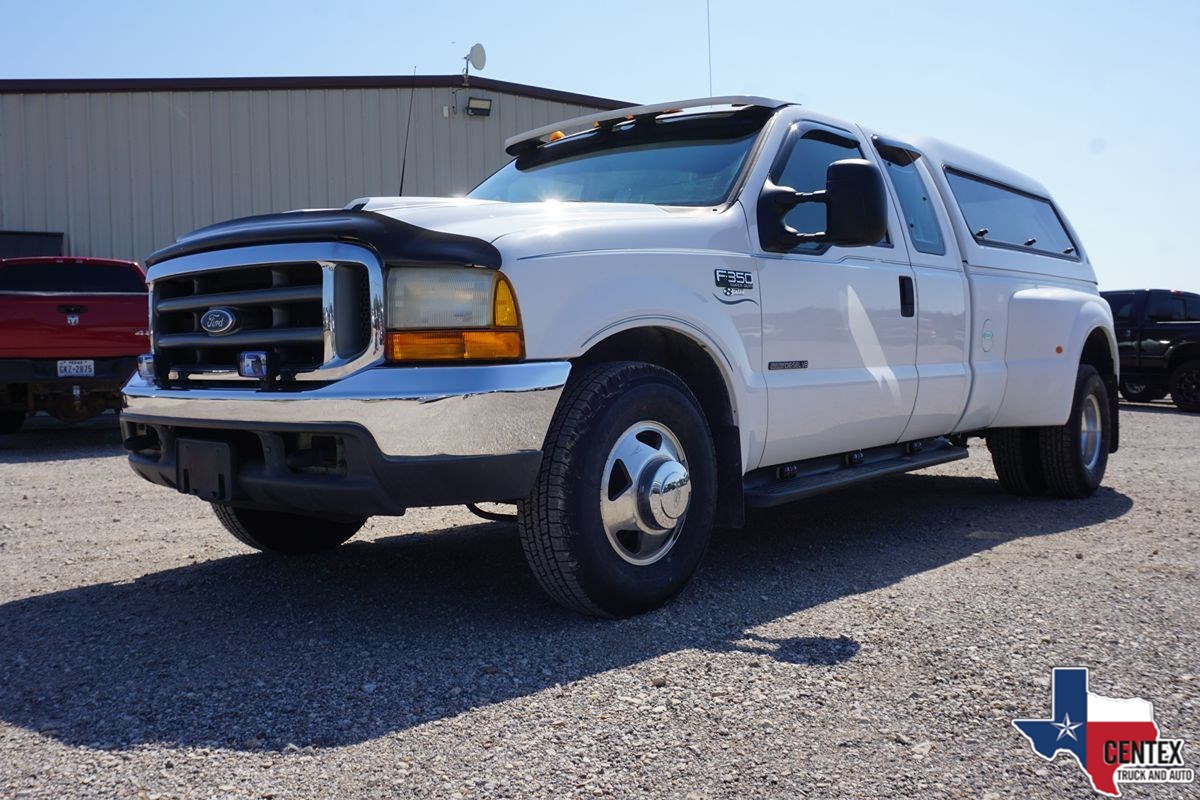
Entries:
{"x":218,"y":321}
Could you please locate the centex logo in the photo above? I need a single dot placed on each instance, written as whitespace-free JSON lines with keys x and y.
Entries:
{"x":1114,"y":740}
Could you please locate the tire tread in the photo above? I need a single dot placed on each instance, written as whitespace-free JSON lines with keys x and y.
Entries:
{"x":543,"y":520}
{"x":1017,"y":460}
{"x":1059,"y":446}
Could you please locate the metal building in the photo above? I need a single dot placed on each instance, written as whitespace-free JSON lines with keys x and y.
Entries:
{"x":122,"y":167}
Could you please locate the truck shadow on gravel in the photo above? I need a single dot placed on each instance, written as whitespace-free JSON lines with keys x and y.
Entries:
{"x":253,"y":652}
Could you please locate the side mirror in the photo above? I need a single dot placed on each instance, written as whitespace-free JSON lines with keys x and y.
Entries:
{"x":855,"y":208}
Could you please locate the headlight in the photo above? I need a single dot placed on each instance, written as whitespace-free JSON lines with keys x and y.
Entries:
{"x":451,"y":314}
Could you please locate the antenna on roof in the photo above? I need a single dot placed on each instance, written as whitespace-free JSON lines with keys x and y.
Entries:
{"x":708,"y":29}
{"x":412,"y":97}
{"x":477,"y":58}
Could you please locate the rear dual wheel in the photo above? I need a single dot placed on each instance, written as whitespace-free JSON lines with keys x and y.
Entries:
{"x":1065,"y":460}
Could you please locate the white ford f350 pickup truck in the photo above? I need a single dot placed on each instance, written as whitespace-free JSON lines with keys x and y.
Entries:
{"x":648,"y":320}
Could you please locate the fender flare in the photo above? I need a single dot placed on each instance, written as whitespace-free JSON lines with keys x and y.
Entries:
{"x":1048,"y":328}
{"x":743,"y":391}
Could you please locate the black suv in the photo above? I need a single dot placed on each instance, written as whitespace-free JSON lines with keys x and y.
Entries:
{"x":1158,"y":335}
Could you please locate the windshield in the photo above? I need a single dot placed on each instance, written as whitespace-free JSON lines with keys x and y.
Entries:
{"x":689,"y":161}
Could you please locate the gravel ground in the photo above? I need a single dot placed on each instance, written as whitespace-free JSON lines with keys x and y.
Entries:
{"x":871,"y":643}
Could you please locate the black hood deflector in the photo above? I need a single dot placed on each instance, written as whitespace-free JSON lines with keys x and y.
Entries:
{"x":393,"y":240}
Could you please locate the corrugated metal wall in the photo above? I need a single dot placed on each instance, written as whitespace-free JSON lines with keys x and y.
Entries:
{"x":123,"y":173}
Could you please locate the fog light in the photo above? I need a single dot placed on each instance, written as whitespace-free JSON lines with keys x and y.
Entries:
{"x":254,"y":364}
{"x":146,"y":367}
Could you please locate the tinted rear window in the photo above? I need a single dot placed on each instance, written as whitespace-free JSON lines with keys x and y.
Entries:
{"x":999,"y":215}
{"x":1166,"y":307}
{"x":69,"y":278}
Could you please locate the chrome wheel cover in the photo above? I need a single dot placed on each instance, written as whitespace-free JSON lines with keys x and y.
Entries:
{"x":1091,"y":437}
{"x":645,"y":492}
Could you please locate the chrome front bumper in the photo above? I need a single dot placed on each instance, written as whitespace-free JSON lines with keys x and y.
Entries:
{"x":488,"y":410}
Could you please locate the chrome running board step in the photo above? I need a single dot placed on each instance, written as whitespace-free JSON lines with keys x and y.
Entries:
{"x":774,"y":486}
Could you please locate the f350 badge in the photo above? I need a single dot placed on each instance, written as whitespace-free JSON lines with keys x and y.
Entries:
{"x":733,"y":281}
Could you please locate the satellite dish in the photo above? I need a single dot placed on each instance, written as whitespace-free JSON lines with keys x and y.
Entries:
{"x":477,"y":56}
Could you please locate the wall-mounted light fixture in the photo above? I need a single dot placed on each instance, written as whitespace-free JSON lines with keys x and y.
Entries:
{"x":479,"y":106}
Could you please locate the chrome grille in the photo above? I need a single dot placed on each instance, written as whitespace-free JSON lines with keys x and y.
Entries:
{"x":319,"y":315}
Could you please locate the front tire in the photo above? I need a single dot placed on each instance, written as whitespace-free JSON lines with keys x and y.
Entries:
{"x":283,"y":533}
{"x":623,"y":506}
{"x":1185,"y":386}
{"x":1075,"y":455}
{"x":11,"y":421}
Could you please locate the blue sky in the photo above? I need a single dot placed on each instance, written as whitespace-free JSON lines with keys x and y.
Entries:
{"x":1071,"y":92}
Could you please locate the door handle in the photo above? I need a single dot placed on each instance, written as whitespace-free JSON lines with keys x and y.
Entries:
{"x":908,"y":297}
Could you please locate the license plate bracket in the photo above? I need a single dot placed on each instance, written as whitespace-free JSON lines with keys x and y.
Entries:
{"x":77,"y":368}
{"x":204,"y":469}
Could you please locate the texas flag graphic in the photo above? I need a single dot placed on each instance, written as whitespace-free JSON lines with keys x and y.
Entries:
{"x":1105,"y":735}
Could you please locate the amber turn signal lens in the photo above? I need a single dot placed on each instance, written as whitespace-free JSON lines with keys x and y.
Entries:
{"x":504,"y":306}
{"x":454,"y":345}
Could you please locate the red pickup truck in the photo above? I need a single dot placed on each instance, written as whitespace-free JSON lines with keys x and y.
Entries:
{"x":70,"y":333}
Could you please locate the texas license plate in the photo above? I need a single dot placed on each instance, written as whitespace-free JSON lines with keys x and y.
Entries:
{"x":77,"y":368}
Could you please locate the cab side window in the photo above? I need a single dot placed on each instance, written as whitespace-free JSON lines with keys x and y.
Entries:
{"x":1122,"y":308}
{"x":1002,"y":216}
{"x":1193,"y":308}
{"x":1166,"y":307}
{"x":805,"y":172}
{"x":918,"y":209}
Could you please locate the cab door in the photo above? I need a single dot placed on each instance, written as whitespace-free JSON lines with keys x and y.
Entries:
{"x":839,"y":345}
{"x":942,"y":296}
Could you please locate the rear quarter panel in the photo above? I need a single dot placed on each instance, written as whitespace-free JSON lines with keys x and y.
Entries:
{"x":1047,"y":329}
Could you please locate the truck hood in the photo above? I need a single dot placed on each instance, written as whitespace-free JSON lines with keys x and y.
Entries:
{"x":524,"y":230}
